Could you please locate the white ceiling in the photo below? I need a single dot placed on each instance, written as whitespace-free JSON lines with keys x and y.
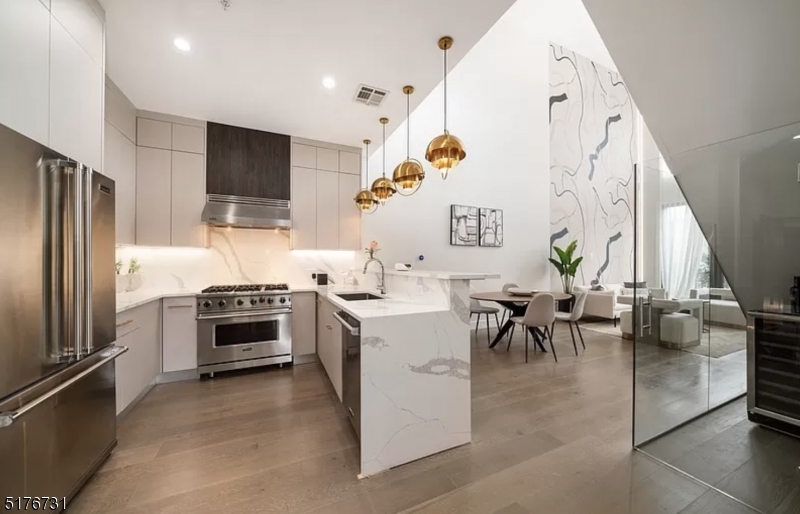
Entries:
{"x":260,"y":64}
{"x":707,"y":71}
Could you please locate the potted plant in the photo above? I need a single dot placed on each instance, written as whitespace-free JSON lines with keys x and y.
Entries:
{"x":134,"y":278}
{"x":567,"y":265}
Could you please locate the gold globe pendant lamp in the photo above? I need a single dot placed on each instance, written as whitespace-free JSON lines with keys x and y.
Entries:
{"x":408,"y":175}
{"x":366,"y":201}
{"x":383,"y":188}
{"x":445,"y":151}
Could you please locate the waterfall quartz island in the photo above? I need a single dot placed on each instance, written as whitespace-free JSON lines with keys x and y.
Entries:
{"x":415,"y":365}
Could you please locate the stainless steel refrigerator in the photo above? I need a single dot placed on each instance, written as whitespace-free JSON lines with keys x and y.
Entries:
{"x":57,"y":320}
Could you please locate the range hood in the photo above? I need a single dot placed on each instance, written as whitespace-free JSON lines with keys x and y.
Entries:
{"x":246,"y":212}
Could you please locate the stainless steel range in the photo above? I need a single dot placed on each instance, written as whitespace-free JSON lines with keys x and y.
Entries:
{"x":243,"y":326}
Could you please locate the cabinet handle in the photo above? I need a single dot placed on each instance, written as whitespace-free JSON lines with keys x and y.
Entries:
{"x":124,"y":323}
{"x":180,"y":306}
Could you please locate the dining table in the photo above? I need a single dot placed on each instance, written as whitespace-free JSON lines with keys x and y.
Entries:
{"x":516,"y":304}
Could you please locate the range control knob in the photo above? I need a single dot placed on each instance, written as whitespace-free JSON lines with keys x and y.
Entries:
{"x":207,"y":304}
{"x":270,"y":300}
{"x":239,"y":302}
{"x":262,"y":300}
{"x":253,"y":301}
{"x":283,"y":299}
{"x":221,"y":303}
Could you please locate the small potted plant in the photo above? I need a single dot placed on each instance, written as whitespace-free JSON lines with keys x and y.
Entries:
{"x":372,"y":249}
{"x":134,"y":278}
{"x":121,"y":280}
{"x":567,"y":265}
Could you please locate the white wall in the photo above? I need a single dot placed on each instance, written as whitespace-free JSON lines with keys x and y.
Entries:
{"x":498,"y":106}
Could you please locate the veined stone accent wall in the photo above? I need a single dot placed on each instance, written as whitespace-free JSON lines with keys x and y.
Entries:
{"x":593,"y":149}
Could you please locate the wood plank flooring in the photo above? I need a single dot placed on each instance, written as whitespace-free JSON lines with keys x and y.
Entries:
{"x":547,"y":437}
{"x":758,"y":466}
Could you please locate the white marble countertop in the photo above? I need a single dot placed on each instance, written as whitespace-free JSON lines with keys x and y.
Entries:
{"x":128,"y":301}
{"x":366,"y":309}
{"x":442,"y":275}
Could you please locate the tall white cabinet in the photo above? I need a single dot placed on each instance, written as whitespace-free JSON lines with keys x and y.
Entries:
{"x":325,"y":179}
{"x":52,"y":74}
{"x":170,"y":183}
{"x":119,"y":159}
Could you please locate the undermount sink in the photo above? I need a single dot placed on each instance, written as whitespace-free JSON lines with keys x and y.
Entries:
{"x":355,"y":297}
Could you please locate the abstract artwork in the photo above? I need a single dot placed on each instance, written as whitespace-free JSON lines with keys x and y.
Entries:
{"x":490,"y":227}
{"x":463,"y":225}
{"x":593,"y":148}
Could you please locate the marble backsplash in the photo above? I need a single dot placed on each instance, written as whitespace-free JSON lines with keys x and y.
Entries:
{"x":237,"y":256}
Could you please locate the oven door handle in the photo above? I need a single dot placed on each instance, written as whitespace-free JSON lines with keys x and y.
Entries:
{"x":243,"y":314}
{"x":354,"y":331}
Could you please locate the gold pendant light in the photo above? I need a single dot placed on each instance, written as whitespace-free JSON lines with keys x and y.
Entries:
{"x":408,"y":175}
{"x":383,"y":188}
{"x":445,"y":151}
{"x":365,"y":199}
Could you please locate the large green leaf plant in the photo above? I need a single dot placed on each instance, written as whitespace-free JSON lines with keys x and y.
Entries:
{"x":567,"y":265}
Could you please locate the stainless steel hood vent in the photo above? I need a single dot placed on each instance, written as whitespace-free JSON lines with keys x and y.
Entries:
{"x":246,"y":212}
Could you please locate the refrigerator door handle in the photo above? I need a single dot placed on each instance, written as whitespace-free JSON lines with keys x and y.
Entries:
{"x":86,"y":260}
{"x":78,"y":268}
{"x":7,"y":418}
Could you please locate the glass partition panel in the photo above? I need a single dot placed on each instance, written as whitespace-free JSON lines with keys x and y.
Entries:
{"x":672,"y":340}
{"x":698,"y":409}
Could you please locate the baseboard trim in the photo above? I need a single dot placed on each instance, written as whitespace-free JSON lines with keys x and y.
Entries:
{"x":127,"y":410}
{"x":305,"y":359}
{"x":177,"y":376}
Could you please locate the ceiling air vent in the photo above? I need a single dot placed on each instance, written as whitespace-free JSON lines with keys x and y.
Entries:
{"x":369,"y":95}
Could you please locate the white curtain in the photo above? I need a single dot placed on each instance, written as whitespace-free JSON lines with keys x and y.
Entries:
{"x":682,"y":249}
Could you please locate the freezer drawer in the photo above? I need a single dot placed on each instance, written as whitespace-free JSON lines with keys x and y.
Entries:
{"x":53,"y":448}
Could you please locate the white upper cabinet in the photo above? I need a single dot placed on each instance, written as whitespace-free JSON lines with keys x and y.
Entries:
{"x":349,"y":216}
{"x":82,"y":23}
{"x":120,"y":112}
{"x":188,"y":199}
{"x":350,"y":163}
{"x":153,"y":196}
{"x":154,"y":134}
{"x":304,"y":208}
{"x":186,"y":138}
{"x":119,"y":163}
{"x":76,"y":99}
{"x":324,"y":216}
{"x":327,"y":159}
{"x":24,"y":68}
{"x":327,"y":210}
{"x":304,"y":156}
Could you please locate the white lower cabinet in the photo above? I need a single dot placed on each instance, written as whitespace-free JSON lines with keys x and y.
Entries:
{"x":140,"y":330}
{"x":329,"y":343}
{"x":304,"y":327}
{"x":179,"y":334}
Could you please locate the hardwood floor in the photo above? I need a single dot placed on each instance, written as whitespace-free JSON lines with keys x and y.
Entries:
{"x":547,"y":437}
{"x":753,"y":464}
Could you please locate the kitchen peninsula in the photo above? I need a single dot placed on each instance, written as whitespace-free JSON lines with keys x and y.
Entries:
{"x":414,"y":366}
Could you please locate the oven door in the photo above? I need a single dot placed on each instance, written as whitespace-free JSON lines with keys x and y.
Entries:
{"x":236,"y":337}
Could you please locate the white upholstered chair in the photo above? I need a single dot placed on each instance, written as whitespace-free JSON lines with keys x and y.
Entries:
{"x":541,"y":313}
{"x":571,"y":318}
{"x":476,"y":307}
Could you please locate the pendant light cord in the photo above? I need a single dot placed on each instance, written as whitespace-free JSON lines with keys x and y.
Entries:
{"x":384,"y":150}
{"x":445,"y":90}
{"x":366,"y":178}
{"x":408,"y":126}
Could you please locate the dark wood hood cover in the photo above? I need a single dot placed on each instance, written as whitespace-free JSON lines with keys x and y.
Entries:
{"x":246,"y":162}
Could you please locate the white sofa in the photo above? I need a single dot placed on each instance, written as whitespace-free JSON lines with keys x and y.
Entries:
{"x":603,"y":304}
{"x":724,"y":309}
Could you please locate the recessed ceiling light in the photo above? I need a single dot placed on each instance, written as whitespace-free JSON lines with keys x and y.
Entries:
{"x":181,"y":44}
{"x":796,"y":137}
{"x":329,"y":82}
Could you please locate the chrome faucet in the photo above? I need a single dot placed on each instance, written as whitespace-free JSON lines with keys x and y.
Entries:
{"x":382,"y":278}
